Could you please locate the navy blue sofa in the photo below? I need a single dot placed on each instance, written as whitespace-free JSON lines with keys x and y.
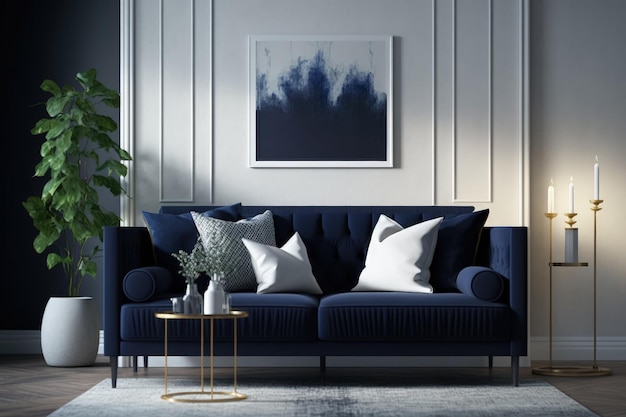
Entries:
{"x":458,"y":321}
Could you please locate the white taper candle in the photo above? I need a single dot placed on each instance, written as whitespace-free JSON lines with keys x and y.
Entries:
{"x":596,"y":180}
{"x":551,"y":197}
{"x":571,"y":195}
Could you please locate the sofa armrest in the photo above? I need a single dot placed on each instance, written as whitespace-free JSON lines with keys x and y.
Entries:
{"x":505,"y":250}
{"x":125,"y":248}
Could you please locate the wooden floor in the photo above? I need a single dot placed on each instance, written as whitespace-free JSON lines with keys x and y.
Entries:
{"x":28,"y":387}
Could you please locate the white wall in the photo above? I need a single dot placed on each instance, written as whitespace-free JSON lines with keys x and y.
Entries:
{"x":460,"y":136}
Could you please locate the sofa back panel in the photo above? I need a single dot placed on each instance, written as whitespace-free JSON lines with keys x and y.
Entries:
{"x":336,"y":237}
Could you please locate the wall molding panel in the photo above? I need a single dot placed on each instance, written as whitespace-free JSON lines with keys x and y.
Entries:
{"x":473,"y":67}
{"x":480,"y":100}
{"x":166,"y":115}
{"x":177,"y":97}
{"x":127,"y":207}
{"x":472,"y":143}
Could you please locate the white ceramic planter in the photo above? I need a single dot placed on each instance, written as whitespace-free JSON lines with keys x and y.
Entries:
{"x":70,"y":331}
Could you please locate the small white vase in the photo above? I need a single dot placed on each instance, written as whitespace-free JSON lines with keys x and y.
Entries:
{"x":70,"y":330}
{"x":214,"y":299}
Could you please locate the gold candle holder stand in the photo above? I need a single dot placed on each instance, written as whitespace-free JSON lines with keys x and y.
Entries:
{"x":571,"y":239}
{"x":594,"y":370}
{"x":550,"y":216}
{"x":570,"y":219}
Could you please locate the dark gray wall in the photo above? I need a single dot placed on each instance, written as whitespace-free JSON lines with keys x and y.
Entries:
{"x":52,"y":39}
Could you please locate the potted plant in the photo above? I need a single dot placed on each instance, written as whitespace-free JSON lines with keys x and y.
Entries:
{"x":80,"y":159}
{"x":215,"y":263}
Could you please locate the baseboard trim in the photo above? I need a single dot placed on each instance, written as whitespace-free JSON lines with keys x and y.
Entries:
{"x":578,"y":348}
{"x":28,"y":342}
{"x":13,"y":342}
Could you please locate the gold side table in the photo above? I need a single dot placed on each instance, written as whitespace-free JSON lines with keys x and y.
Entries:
{"x":211,"y":395}
{"x":594,"y":369}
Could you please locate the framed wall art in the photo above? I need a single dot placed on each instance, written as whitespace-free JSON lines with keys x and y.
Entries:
{"x":321,"y":101}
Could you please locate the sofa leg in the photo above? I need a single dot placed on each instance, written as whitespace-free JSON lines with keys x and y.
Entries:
{"x":490,"y":362}
{"x":322,"y":363}
{"x":113,"y":361}
{"x":145,"y":361}
{"x":515,"y":370}
{"x":135,"y":364}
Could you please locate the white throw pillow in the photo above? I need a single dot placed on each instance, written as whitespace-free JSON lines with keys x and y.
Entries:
{"x":399,"y":259}
{"x":285,"y":270}
{"x":224,"y":238}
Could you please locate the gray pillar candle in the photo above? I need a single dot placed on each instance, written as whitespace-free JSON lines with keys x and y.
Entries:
{"x":571,"y":245}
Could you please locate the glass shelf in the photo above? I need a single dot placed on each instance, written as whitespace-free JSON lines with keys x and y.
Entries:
{"x":570,"y":264}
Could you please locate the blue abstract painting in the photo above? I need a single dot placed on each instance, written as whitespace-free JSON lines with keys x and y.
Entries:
{"x":321,"y":102}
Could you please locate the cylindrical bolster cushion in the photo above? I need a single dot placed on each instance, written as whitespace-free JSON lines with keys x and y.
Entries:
{"x":142,"y":284}
{"x":481,"y":282}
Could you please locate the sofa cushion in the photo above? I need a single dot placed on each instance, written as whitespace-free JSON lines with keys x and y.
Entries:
{"x":481,"y":282}
{"x":285,"y":269}
{"x":387,"y":316}
{"x":173,"y":232}
{"x":398,"y":259}
{"x":456,"y":248}
{"x":142,"y":284}
{"x":271,"y":317}
{"x":228,"y":235}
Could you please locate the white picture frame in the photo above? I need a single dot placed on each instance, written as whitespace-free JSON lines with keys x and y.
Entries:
{"x":321,"y":101}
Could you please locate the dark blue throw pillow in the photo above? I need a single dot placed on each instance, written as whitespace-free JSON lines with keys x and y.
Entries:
{"x":456,"y":249}
{"x":143,"y":284}
{"x":481,"y":282}
{"x":173,"y":232}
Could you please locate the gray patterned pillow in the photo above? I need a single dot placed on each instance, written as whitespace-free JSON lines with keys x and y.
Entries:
{"x":226,"y":237}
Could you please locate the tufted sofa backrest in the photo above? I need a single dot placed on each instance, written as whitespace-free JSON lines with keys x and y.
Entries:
{"x":336,"y":237}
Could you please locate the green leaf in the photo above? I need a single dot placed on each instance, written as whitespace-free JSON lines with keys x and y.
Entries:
{"x":57,"y":127}
{"x":113,"y":101}
{"x":125,"y":156}
{"x":110,"y":183}
{"x":51,"y":87}
{"x":54,"y":259}
{"x":55,"y":105}
{"x":56,"y":160}
{"x":44,"y":241}
{"x":88,"y":267}
{"x":105,"y":218}
{"x":42,"y":167}
{"x":104,"y":123}
{"x":50,"y":188}
{"x":86,"y":107}
{"x":42,"y":126}
{"x":87,"y":78}
{"x":114,"y":167}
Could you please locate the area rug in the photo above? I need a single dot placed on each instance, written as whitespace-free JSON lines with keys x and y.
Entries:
{"x":139,"y":397}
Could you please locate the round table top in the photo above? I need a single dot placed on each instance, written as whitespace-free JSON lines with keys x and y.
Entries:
{"x":233,"y":314}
